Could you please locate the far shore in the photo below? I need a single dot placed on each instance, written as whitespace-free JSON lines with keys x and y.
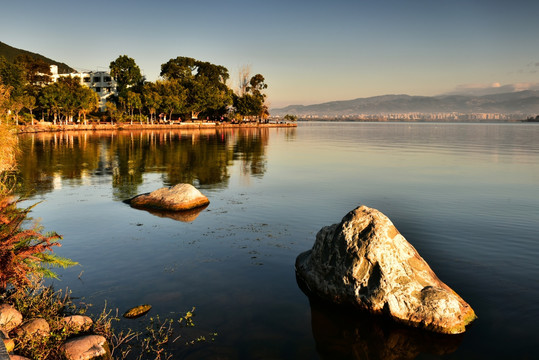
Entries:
{"x":47,"y":127}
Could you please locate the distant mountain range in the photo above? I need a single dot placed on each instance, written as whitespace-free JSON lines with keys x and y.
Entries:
{"x":520,"y":102}
{"x":11,"y":53}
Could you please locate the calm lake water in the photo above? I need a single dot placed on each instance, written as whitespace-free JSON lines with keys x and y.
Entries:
{"x":465,"y":195}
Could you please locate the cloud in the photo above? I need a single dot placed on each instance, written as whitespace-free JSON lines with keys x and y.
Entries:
{"x":492,"y":88}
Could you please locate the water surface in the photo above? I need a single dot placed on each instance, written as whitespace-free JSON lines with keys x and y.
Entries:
{"x":465,"y":195}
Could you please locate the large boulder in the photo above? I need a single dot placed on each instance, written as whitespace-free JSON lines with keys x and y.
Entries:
{"x":364,"y":261}
{"x":175,"y":198}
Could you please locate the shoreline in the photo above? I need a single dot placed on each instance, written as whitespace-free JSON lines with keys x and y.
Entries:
{"x":39,"y":128}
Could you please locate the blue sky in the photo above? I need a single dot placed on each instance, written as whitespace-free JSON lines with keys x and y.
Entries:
{"x":308,"y":51}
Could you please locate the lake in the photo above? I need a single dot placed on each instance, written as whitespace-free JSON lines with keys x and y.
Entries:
{"x":464,"y":195}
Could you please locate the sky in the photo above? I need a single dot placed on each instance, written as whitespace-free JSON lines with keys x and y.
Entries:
{"x":308,"y":51}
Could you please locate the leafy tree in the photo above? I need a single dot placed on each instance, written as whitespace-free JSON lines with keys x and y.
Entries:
{"x":16,"y":105}
{"x":205,"y":82}
{"x":12,"y":75}
{"x":205,"y":95}
{"x":251,"y":103}
{"x":292,"y":118}
{"x":29,"y":102}
{"x":126,"y":73}
{"x":5,"y":93}
{"x":182,"y":68}
{"x":113,"y":112}
{"x":256,"y":85}
{"x":88,"y":101}
{"x":152,"y":100}
{"x":52,"y":99}
{"x":133,"y":101}
{"x":173,"y":96}
{"x":37,"y":71}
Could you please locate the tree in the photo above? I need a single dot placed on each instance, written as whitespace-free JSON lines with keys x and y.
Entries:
{"x":205,"y":82}
{"x":243,"y":79}
{"x":152,"y":99}
{"x":52,"y":99}
{"x":292,"y":118}
{"x":88,"y":101}
{"x":37,"y":71}
{"x":16,"y":105}
{"x":181,"y":68}
{"x":12,"y":75}
{"x":29,"y":102}
{"x":133,"y":101}
{"x":173,"y":96}
{"x":256,"y":85}
{"x":251,"y":103}
{"x":205,"y":95}
{"x":4,"y":100}
{"x":126,"y":73}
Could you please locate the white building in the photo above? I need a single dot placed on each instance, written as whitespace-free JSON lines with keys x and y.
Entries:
{"x":99,"y":81}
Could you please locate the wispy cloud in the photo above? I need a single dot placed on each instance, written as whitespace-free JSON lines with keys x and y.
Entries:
{"x":492,"y":88}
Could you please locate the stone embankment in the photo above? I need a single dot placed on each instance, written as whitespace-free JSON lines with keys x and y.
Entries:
{"x":49,"y":127}
{"x":81,"y":345}
{"x":364,"y":261}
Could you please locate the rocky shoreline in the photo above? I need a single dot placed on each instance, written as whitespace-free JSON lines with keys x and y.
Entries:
{"x":48,"y":127}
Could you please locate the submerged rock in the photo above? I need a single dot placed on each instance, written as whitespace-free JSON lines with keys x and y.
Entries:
{"x":137,"y":311}
{"x":364,"y":261}
{"x":175,"y":198}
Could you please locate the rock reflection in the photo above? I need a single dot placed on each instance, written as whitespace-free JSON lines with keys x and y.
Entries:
{"x":344,"y":333}
{"x":183,"y":216}
{"x":199,"y":157}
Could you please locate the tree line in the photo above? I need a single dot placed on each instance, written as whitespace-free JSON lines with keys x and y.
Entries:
{"x":187,"y":89}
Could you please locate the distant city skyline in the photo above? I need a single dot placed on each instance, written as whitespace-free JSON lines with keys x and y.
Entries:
{"x":308,"y":51}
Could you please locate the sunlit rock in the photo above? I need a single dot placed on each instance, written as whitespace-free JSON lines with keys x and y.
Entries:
{"x":34,"y":327}
{"x":364,"y":261}
{"x":175,"y":198}
{"x":86,"y":348}
{"x":78,"y":322}
{"x":10,"y":317}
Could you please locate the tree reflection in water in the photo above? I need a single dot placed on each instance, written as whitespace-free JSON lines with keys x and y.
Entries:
{"x":198,"y":157}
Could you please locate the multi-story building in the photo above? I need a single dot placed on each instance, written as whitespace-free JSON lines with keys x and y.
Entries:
{"x":99,"y":81}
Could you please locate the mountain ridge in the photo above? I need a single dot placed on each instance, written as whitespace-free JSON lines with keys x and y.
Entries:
{"x":517,"y":102}
{"x":11,"y":53}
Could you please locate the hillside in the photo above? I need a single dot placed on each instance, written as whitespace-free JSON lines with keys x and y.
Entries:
{"x":11,"y":53}
{"x":522,"y":102}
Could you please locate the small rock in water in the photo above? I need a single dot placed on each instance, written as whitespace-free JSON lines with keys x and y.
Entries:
{"x":175,"y":198}
{"x":137,"y":311}
{"x":364,"y":261}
